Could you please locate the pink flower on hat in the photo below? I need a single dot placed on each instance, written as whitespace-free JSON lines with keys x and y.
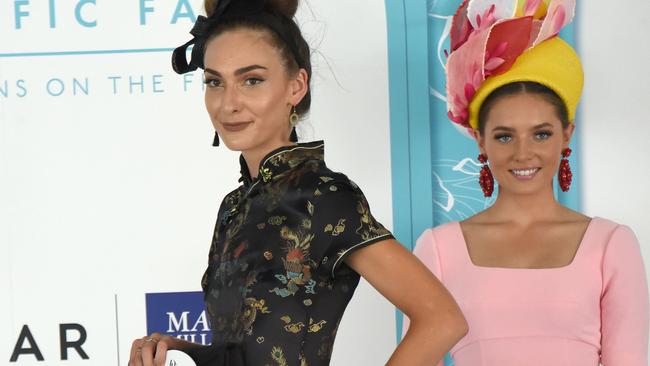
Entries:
{"x":487,"y":37}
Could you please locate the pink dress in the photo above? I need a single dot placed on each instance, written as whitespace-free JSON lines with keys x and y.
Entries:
{"x":592,"y":310}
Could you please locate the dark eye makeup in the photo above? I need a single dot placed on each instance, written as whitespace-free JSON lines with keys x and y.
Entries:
{"x":212,"y":82}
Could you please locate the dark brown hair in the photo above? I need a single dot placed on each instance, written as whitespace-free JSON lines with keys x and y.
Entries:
{"x":523,"y":87}
{"x":284,"y":10}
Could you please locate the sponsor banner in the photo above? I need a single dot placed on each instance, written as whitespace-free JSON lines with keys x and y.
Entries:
{"x":38,"y":26}
{"x":60,"y":328}
{"x":110,"y":184}
{"x":179,"y":314}
{"x":59,"y":49}
{"x":97,"y":329}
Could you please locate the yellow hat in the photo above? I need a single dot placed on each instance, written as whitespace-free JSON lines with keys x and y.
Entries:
{"x":552,"y":63}
{"x":494,"y":43}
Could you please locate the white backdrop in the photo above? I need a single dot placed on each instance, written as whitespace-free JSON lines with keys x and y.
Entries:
{"x":614,"y":114}
{"x":114,"y":190}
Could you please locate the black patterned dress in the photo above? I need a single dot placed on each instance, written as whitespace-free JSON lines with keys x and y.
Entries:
{"x":276,"y":284}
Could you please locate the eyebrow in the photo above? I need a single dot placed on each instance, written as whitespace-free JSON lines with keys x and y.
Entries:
{"x":238,"y":72}
{"x":510,"y":129}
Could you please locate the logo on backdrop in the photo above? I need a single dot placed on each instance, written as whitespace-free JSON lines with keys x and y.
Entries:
{"x":72,"y":337}
{"x":29,"y":19}
{"x":179,"y":314}
{"x":85,"y":12}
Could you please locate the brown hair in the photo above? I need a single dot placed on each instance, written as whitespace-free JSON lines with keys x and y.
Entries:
{"x":284,"y":10}
{"x":523,"y":87}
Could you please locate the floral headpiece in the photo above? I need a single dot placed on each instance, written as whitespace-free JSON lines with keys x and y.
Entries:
{"x":496,"y":42}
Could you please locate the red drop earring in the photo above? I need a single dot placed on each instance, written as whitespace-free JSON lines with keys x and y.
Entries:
{"x":486,"y":180}
{"x":565,"y":175}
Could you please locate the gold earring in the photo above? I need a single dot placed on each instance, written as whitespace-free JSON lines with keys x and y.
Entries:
{"x":293,"y":119}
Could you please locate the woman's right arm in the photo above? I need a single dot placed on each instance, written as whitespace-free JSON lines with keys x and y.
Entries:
{"x":436,"y":321}
{"x":425,"y":251}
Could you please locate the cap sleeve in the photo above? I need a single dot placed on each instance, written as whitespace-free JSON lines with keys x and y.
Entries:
{"x":624,"y":302}
{"x":342,"y":224}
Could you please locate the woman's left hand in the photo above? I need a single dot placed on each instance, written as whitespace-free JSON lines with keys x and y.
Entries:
{"x":149,"y":351}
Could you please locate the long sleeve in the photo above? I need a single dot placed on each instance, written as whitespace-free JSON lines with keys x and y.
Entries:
{"x":426,"y":251}
{"x":624,"y":302}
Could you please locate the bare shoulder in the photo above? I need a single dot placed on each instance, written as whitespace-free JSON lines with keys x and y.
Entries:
{"x":482,"y":218}
{"x":487,"y":219}
{"x":571,"y":221}
{"x":570,"y":216}
{"x":495,"y":239}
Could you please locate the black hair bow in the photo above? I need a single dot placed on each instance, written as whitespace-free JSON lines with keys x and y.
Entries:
{"x":203,"y":27}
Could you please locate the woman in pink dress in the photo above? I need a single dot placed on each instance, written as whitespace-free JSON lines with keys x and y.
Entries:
{"x":538,"y":283}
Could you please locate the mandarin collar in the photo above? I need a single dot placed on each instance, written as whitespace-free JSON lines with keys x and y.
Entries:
{"x":281,"y":160}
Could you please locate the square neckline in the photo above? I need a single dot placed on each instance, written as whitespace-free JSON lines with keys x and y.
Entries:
{"x":570,"y":265}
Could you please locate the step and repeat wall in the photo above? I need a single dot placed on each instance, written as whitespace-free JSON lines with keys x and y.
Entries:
{"x":110,"y":186}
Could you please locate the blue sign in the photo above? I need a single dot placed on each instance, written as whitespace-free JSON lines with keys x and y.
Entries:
{"x":179,"y":314}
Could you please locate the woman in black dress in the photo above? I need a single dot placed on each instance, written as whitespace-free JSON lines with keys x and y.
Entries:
{"x":291,"y":243}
